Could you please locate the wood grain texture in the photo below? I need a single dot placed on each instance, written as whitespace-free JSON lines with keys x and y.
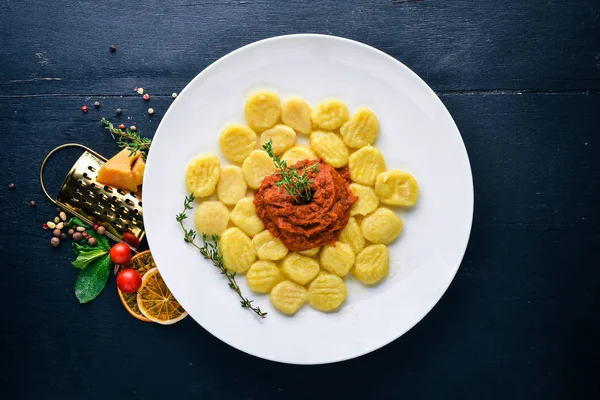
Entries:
{"x":521,"y":79}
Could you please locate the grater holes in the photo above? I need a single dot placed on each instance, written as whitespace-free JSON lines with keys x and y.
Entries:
{"x":91,"y":168}
{"x":127,"y":201}
{"x":135,"y":211}
{"x":86,"y":176}
{"x":133,"y":195}
{"x":107,"y":189}
{"x":140,"y":204}
{"x":122,"y":193}
{"x":81,"y":183}
{"x":96,"y":212}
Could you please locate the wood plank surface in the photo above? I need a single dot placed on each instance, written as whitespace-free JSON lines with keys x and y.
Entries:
{"x":522,"y":81}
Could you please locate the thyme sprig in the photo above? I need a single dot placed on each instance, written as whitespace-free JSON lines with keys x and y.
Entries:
{"x":210,"y":251}
{"x":295,"y":183}
{"x":131,"y":140}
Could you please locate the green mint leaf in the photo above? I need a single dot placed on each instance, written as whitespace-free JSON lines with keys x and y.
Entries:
{"x":76,"y":221}
{"x":85,"y":257}
{"x":92,"y":280}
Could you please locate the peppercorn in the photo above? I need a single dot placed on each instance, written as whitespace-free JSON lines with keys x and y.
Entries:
{"x":63,"y":236}
{"x":112,"y":48}
{"x":101,"y":230}
{"x":11,"y":186}
{"x":132,"y":128}
{"x":146,"y":97}
{"x":77,"y":236}
{"x":151,"y":111}
{"x":32,"y":203}
{"x":71,"y":231}
{"x":118,"y":111}
{"x":56,"y":232}
{"x":54,"y":242}
{"x":122,"y":126}
{"x":84,"y":109}
{"x":92,"y":242}
{"x":96,"y":104}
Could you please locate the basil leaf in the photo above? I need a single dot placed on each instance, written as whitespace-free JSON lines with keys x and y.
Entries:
{"x":92,"y":280}
{"x":86,"y":256}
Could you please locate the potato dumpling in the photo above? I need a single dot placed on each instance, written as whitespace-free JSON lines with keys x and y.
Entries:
{"x":397,"y":188}
{"x":244,"y":217}
{"x":237,"y":250}
{"x":295,"y":113}
{"x":283,"y":137}
{"x":268,"y":247}
{"x":298,"y":153}
{"x":327,"y":292}
{"x":211,"y":217}
{"x":381,"y":226}
{"x":367,"y":199}
{"x":372,"y":264}
{"x":232,"y":185}
{"x":330,"y":114}
{"x":262,"y":276}
{"x":337,"y":258}
{"x":256,"y":167}
{"x":299,"y":269}
{"x":330,"y":147}
{"x":202,"y":175}
{"x":237,"y":142}
{"x":361,"y":129}
{"x":352,"y":236}
{"x":365,"y":165}
{"x":288,"y":297}
{"x":310,"y":252}
{"x":262,"y":110}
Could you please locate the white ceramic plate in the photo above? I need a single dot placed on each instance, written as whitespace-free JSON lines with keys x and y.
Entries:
{"x":417,"y":134}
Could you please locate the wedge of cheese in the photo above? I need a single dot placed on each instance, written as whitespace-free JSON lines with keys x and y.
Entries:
{"x":118,"y":172}
{"x":138,"y":170}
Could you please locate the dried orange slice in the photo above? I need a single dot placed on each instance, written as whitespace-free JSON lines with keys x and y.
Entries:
{"x":156,"y":302}
{"x":142,"y":262}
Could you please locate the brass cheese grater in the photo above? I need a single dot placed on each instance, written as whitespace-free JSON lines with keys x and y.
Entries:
{"x":119,"y":211}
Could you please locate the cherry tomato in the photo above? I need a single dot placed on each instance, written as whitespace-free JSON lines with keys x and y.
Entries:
{"x":129,"y":280}
{"x":130,"y":238}
{"x":120,"y":253}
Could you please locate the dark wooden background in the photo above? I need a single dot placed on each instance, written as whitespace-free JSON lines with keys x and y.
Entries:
{"x":522,"y":81}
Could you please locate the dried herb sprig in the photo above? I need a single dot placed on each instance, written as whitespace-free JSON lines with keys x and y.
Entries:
{"x":295,"y":183}
{"x":131,"y":140}
{"x":210,"y":251}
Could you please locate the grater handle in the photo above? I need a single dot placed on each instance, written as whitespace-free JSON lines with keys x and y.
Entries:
{"x":70,"y":211}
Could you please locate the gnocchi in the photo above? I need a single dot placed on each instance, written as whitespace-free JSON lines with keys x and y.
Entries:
{"x":397,"y":188}
{"x":327,"y":292}
{"x":262,"y":276}
{"x":262,"y":110}
{"x":367,"y":200}
{"x":211,"y":218}
{"x":202,"y":175}
{"x":365,"y":165}
{"x":237,"y":142}
{"x":244,"y":217}
{"x":232,"y":185}
{"x":268,"y":247}
{"x":352,"y":236}
{"x":298,"y":153}
{"x":382,"y":226}
{"x":330,"y":114}
{"x":299,"y":269}
{"x":361,"y":129}
{"x":288,"y":297}
{"x":330,"y":147}
{"x":372,"y":264}
{"x":295,"y":113}
{"x":310,"y":252}
{"x":337,"y":258}
{"x":256,"y":167}
{"x":237,"y":250}
{"x":282,"y":137}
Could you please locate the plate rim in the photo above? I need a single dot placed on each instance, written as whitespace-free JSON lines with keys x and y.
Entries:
{"x":421,"y":83}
